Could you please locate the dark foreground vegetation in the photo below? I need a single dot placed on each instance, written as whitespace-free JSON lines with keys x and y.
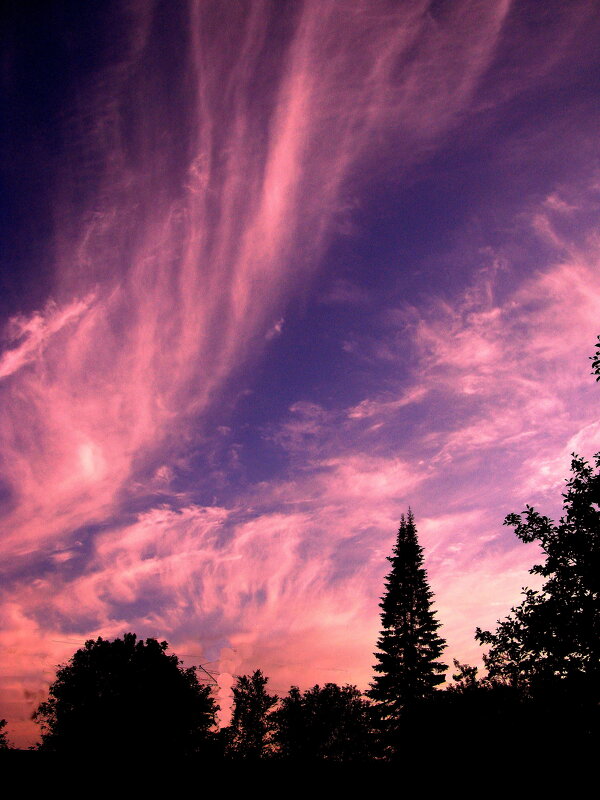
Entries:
{"x":540,"y":694}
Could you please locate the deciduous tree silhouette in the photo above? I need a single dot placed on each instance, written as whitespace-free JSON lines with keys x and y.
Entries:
{"x":595,"y":359}
{"x":126,"y":696}
{"x":548,"y":647}
{"x":409,"y":647}
{"x":252,"y":724}
{"x":550,"y":644}
{"x":4,"y":743}
{"x":483,"y":711}
{"x":329,"y":723}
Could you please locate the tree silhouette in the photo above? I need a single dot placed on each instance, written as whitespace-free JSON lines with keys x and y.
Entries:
{"x":329,"y":723}
{"x":550,"y":643}
{"x":126,"y":696}
{"x":4,"y":743}
{"x":252,"y":725}
{"x":595,"y":359}
{"x":409,"y":646}
{"x":477,"y":715}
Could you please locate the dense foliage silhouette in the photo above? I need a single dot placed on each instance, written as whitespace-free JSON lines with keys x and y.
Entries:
{"x":4,"y":743}
{"x":250,"y":735}
{"x":126,"y":696}
{"x":483,"y":711}
{"x":549,"y":645}
{"x":329,"y":723}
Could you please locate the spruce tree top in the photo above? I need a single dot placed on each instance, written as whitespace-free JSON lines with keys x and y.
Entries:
{"x":409,"y":646}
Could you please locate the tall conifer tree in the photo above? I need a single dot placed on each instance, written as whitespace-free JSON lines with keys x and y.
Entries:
{"x":409,"y":646}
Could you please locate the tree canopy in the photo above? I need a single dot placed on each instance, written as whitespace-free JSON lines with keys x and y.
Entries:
{"x":125,"y":696}
{"x":252,"y":724}
{"x":328,"y":723}
{"x":551,"y":641}
{"x":4,"y":743}
{"x":595,"y":359}
{"x":409,"y":646}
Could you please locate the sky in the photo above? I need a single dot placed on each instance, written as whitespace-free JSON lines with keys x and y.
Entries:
{"x":271,"y":273}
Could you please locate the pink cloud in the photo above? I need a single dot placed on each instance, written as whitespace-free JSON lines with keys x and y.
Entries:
{"x":30,"y":334}
{"x":197,"y":295}
{"x":517,"y":365}
{"x":273,"y":581}
{"x":183,"y":292}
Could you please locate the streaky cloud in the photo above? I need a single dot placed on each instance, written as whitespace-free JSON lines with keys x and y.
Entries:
{"x":199,"y":193}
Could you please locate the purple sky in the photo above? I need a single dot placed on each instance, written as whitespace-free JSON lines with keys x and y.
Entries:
{"x":271,"y":272}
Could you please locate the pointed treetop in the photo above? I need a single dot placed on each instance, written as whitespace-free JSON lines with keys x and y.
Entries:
{"x":409,"y":645}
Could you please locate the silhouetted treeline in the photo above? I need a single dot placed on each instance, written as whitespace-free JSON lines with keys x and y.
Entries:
{"x":542,"y":673}
{"x":541,"y":690}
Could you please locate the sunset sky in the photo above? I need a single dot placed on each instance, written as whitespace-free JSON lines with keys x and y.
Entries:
{"x":271,"y":272}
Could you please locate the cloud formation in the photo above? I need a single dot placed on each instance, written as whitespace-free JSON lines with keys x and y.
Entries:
{"x":201,"y":193}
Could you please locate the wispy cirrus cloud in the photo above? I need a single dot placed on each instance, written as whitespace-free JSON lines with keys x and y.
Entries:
{"x":189,"y":284}
{"x":297,"y":562}
{"x":188,"y":222}
{"x":28,"y":336}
